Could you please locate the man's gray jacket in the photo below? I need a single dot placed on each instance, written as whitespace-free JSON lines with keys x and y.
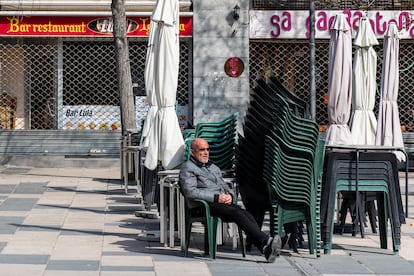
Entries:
{"x":202,"y":181}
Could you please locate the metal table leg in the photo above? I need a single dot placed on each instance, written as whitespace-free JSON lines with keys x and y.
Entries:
{"x":162,"y":210}
{"x":172,"y":213}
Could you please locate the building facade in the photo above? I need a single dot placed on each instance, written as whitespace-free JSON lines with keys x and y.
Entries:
{"x":57,"y":61}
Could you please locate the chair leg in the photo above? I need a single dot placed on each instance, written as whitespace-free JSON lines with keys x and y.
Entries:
{"x":125,"y":170}
{"x":343,"y":213}
{"x":382,"y":221}
{"x":372,"y":215}
{"x":216,"y":222}
{"x":211,"y":237}
{"x":242,"y":242}
{"x":187,"y":238}
{"x":361,"y":214}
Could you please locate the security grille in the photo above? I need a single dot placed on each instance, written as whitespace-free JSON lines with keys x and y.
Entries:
{"x":289,"y":61}
{"x":332,"y":4}
{"x":68,"y":83}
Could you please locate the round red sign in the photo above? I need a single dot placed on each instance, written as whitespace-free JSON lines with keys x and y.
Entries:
{"x":234,"y":67}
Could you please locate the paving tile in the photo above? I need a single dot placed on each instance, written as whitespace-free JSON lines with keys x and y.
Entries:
{"x":114,"y":229}
{"x":90,"y":209}
{"x":380,"y":263}
{"x":15,"y":170}
{"x":181,"y":268}
{"x":129,"y":273}
{"x":46,"y":218}
{"x":55,"y":201}
{"x":121,"y":269}
{"x":8,"y":179}
{"x":7,"y":189}
{"x":127,"y":260}
{"x":84,"y":220}
{"x":2,"y":245}
{"x":31,"y":188}
{"x":77,"y":247}
{"x":6,"y":237}
{"x":42,"y":206}
{"x":14,"y":213}
{"x":18,"y":204}
{"x":72,"y":273}
{"x":73,"y":265}
{"x":41,"y":228}
{"x":22,"y":269}
{"x":62,"y":189}
{"x":234,"y":268}
{"x":120,"y":243}
{"x":23,"y":259}
{"x":406,"y":250}
{"x":31,"y":243}
{"x":9,"y":224}
{"x":66,"y":231}
{"x":23,"y":196}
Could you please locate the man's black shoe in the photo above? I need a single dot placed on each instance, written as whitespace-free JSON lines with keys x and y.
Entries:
{"x":272,"y":249}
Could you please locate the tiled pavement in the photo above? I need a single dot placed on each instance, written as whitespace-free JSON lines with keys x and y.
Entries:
{"x":78,"y":221}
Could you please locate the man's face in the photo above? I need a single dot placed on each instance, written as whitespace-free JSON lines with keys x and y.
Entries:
{"x":201,"y":151}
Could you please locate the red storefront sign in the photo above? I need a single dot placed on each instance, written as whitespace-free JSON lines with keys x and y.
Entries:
{"x":78,"y":26}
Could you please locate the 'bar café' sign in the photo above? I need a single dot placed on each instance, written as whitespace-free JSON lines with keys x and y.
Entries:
{"x":295,"y":24}
{"x":78,"y":26}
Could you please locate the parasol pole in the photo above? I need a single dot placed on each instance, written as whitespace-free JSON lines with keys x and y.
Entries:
{"x":312,"y":59}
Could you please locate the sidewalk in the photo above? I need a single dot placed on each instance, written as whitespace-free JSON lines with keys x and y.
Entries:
{"x":78,"y":221}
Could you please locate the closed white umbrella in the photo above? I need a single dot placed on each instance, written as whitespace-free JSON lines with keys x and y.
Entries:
{"x":363,"y":123}
{"x":162,"y":134}
{"x":339,"y":82}
{"x":389,"y":129}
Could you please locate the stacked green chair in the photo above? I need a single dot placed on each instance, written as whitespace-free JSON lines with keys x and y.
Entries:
{"x":221,"y":136}
{"x":188,"y":133}
{"x":250,"y":151}
{"x":378,"y":173}
{"x":293,"y":169}
{"x":299,"y":107}
{"x":302,"y":134}
{"x":257,"y":196}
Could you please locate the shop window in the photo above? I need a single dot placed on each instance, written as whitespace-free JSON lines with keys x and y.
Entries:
{"x":89,"y":75}
{"x":7,"y":111}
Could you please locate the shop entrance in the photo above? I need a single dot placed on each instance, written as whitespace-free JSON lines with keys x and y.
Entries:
{"x":43,"y":88}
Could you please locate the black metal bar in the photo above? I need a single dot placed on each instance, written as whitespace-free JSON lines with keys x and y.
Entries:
{"x":356,"y":191}
{"x":312,"y":59}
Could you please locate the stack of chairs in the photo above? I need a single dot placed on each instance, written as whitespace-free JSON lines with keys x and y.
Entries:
{"x":293,"y":169}
{"x":256,"y":194}
{"x":221,"y":136}
{"x":298,"y":106}
{"x":377,"y":174}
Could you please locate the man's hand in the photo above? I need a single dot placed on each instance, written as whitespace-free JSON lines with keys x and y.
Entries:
{"x":225,"y":199}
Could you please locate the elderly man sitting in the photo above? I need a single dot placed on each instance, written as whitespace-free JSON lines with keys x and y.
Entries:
{"x":201,"y":179}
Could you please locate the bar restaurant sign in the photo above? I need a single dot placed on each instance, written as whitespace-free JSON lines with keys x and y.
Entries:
{"x":78,"y":26}
{"x":295,"y":24}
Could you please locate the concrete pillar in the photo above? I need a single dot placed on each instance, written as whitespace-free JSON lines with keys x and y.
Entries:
{"x":217,"y":36}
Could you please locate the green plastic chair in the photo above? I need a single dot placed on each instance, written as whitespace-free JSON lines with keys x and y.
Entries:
{"x":221,"y":136}
{"x":188,"y":133}
{"x":297,"y":193}
{"x":201,"y":213}
{"x":384,"y":207}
